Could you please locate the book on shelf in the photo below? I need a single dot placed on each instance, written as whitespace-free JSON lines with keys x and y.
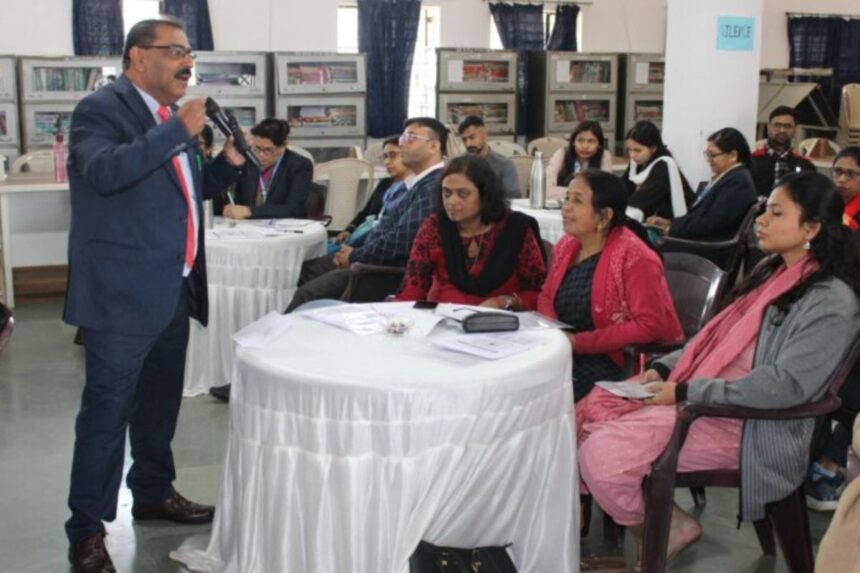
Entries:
{"x":322,"y":116}
{"x":579,"y":110}
{"x":495,"y":113}
{"x":481,"y":71}
{"x":651,"y":111}
{"x":4,"y":125}
{"x":590,"y":72}
{"x":322,"y":73}
{"x":47,"y":79}
{"x":45,"y":122}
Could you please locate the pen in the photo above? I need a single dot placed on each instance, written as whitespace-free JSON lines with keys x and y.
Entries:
{"x":230,"y":198}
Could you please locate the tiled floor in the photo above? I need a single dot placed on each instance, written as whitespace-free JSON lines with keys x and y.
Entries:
{"x":41,"y":376}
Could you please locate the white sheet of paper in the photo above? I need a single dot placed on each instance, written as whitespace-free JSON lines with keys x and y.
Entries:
{"x":641,"y":76}
{"x":626,"y":389}
{"x":360,"y":319}
{"x":263,"y":332}
{"x":455,"y":71}
{"x":562,"y":71}
{"x":492,"y":346}
{"x":531,"y":320}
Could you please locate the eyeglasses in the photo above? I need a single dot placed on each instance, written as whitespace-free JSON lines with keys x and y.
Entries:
{"x":408,"y":137}
{"x":711,"y":156}
{"x":782,"y":126}
{"x":849,"y":174}
{"x":265,"y":150}
{"x":392,"y":155}
{"x":175,"y":51}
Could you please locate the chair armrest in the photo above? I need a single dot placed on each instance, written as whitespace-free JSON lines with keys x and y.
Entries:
{"x":689,"y":411}
{"x":365,"y":268}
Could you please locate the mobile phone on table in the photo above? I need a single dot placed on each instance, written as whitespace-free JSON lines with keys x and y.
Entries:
{"x":425,"y":304}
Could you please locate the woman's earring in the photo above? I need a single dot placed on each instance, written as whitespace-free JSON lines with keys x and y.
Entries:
{"x":807,"y":245}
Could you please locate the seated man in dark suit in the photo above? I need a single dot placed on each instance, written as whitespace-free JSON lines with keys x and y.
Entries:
{"x":281,"y":191}
{"x":777,"y":158}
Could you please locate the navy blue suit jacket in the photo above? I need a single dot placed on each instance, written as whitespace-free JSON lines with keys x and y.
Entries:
{"x":127,"y":231}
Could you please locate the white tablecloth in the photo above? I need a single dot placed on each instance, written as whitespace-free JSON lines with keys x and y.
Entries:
{"x":248,"y":277}
{"x":549,"y":220}
{"x":345,"y":451}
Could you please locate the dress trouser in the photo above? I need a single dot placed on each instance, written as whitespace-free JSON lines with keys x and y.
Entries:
{"x":134,"y":383}
{"x":320,"y":278}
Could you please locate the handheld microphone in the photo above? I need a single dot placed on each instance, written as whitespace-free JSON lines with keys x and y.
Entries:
{"x":227,"y":124}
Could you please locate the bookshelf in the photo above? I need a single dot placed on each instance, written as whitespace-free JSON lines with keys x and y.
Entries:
{"x":10,"y":125}
{"x":643,"y":90}
{"x":323,"y":97}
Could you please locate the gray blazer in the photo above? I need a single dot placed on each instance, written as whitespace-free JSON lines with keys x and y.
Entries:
{"x":794,"y":358}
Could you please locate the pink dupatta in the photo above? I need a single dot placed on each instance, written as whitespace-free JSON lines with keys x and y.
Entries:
{"x":725,"y":344}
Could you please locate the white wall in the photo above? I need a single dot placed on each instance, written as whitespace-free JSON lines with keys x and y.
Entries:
{"x":624,"y":26}
{"x":51,"y":36}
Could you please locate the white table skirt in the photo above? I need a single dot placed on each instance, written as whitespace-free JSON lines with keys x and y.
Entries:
{"x":344,"y":452}
{"x":549,"y":220}
{"x":248,"y":278}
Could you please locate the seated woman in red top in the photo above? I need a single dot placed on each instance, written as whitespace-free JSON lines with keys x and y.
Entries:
{"x":605,"y":281}
{"x":473,"y":249}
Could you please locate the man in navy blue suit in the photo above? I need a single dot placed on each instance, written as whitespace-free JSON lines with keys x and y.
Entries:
{"x":136,"y":273}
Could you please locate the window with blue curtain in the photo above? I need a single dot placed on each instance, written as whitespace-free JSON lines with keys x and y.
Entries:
{"x":826,"y":42}
{"x":387,"y":30}
{"x":520,"y":28}
{"x":563,"y":36}
{"x":97,"y":27}
{"x":195,"y":15}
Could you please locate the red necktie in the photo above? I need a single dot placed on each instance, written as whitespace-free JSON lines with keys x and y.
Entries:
{"x":164,"y":114}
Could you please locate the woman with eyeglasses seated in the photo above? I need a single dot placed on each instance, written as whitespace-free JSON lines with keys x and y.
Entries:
{"x":775,"y":346}
{"x":605,"y":281}
{"x":282,"y":189}
{"x":721,"y":206}
{"x":846,"y":176}
{"x":473,"y":249}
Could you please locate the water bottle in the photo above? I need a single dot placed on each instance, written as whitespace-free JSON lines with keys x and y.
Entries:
{"x":3,"y":167}
{"x":59,"y":159}
{"x":537,"y":182}
{"x":208,"y":215}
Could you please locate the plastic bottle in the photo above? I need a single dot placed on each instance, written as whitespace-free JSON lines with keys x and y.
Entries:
{"x":537,"y":182}
{"x":60,"y":175}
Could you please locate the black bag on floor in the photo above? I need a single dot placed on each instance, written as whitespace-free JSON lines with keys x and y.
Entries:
{"x":429,"y":558}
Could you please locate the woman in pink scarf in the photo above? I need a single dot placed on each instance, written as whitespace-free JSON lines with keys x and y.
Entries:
{"x":775,"y":346}
{"x":605,"y":281}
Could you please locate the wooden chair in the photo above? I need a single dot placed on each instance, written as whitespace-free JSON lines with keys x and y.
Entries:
{"x":35,"y":162}
{"x":372,"y":283}
{"x":546,"y":145}
{"x":523,"y":164}
{"x":729,"y":254}
{"x":344,"y":177}
{"x":506,"y":148}
{"x":7,"y":325}
{"x":788,"y":516}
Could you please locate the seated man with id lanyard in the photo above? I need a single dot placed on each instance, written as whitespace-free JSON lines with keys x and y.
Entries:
{"x":282,"y":189}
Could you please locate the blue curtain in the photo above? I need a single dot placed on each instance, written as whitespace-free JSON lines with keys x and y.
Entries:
{"x":195,"y":15}
{"x":563,"y":35}
{"x":97,"y":27}
{"x":520,"y":28}
{"x":387,"y":30}
{"x":826,"y":42}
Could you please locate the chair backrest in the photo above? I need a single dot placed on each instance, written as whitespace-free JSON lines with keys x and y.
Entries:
{"x":344,"y":182}
{"x":523,"y":163}
{"x":819,"y":147}
{"x":695,"y":284}
{"x":506,"y":148}
{"x":373,"y":153}
{"x":35,"y":162}
{"x":301,"y":151}
{"x":454,"y":145}
{"x":546,"y":145}
{"x":7,"y":325}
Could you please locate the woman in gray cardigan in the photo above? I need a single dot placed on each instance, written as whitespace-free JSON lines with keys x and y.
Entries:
{"x":775,"y":346}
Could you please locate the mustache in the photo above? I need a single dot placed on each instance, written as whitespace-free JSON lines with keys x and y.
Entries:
{"x":473,"y":149}
{"x":183,"y":74}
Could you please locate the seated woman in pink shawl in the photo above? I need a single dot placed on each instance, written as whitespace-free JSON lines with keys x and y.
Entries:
{"x":775,"y":346}
{"x":605,"y":281}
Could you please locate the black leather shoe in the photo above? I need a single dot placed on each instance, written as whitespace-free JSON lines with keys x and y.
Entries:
{"x":221,"y":392}
{"x":176,"y":509}
{"x":90,"y":555}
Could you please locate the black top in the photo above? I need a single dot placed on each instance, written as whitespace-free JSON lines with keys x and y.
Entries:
{"x":764,"y":168}
{"x":654,"y":195}
{"x":719,"y":211}
{"x":287,"y":193}
{"x":573,"y":306}
{"x":373,"y":205}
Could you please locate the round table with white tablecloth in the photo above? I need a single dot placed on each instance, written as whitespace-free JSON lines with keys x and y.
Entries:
{"x":252,"y":268}
{"x":346,"y":451}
